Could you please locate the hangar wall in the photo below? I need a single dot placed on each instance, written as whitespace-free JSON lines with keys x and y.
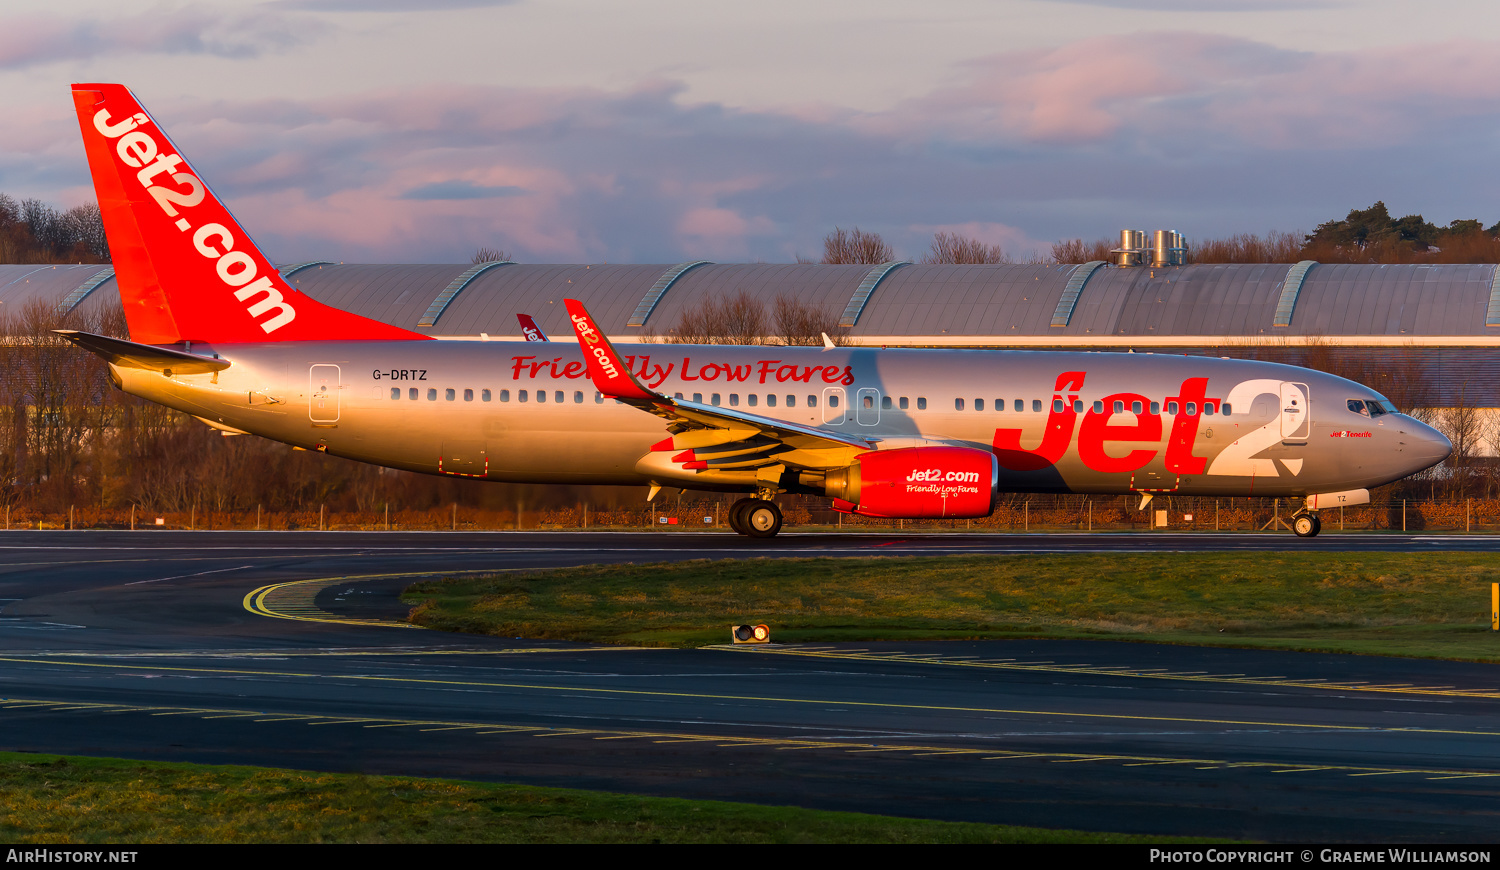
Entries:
{"x":1442,"y":321}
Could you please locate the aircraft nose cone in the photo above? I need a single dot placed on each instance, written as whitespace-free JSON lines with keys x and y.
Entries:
{"x":1425,"y":445}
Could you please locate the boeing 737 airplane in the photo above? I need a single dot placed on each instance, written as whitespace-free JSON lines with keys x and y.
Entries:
{"x":217,"y":333}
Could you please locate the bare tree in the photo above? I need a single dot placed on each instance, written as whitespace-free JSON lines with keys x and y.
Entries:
{"x":737,"y":319}
{"x":489,"y":255}
{"x":797,"y":323}
{"x":1274,"y":247}
{"x":1079,"y":251}
{"x":956,"y":249}
{"x":844,"y":247}
{"x":1464,"y":426}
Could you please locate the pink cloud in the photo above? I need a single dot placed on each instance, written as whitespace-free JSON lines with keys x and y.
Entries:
{"x":1206,"y":89}
{"x":39,"y":39}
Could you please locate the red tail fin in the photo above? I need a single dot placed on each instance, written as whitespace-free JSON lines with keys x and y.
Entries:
{"x":187,"y":271}
{"x":530,"y":329}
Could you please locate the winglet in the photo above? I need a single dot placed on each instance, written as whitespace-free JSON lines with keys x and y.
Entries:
{"x":608,"y":372}
{"x":530,"y":329}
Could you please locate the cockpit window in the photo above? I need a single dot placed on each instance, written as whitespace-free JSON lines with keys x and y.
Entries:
{"x":1358,"y":407}
{"x":1377,"y":409}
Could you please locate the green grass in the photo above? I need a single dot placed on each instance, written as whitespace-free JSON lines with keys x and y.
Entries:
{"x":67,"y":799}
{"x":1428,"y":605}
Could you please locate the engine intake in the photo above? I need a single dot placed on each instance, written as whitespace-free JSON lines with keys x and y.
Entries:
{"x":917,"y":483}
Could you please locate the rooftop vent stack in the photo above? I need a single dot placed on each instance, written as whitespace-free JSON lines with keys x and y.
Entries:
{"x":1161,"y":248}
{"x":1132,"y":246}
{"x":1167,"y":249}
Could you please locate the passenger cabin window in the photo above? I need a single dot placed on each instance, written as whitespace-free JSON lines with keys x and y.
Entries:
{"x":1135,"y":407}
{"x":432,"y":395}
{"x":541,"y":395}
{"x":885,"y":403}
{"x":771,"y":400}
{"x":1156,"y":407}
{"x":979,"y":404}
{"x":1192,"y":409}
{"x":599,"y":398}
{"x":752,"y":400}
{"x":412,"y":394}
{"x":734,"y":400}
{"x":698,"y":397}
{"x":1020,"y":405}
{"x":921,"y":403}
{"x":833,"y":401}
{"x":1057,"y":406}
{"x":395,"y":392}
{"x":1172,"y":408}
{"x":904,"y":403}
{"x":869,"y":402}
{"x":468,"y":395}
{"x":999,"y":404}
{"x":1036,"y":406}
{"x":1098,"y":407}
{"x":449,"y":394}
{"x":791,"y":401}
{"x":484,"y":395}
{"x":812,"y":401}
{"x":558,"y":397}
{"x":578,"y":397}
{"x":714,"y":399}
{"x":1078,"y":406}
{"x":1225,"y":409}
{"x":1119,"y":407}
{"x":520,"y":395}
{"x":958,"y":404}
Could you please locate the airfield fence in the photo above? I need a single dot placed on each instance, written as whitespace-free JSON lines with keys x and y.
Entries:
{"x":1035,"y":513}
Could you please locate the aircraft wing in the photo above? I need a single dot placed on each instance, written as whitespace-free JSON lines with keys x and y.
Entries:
{"x":712,"y":438}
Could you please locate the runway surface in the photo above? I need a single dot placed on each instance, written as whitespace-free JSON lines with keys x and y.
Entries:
{"x":284,"y":649}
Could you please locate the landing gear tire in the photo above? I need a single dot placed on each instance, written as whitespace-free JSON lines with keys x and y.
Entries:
{"x":1307,"y":525}
{"x":761,"y":518}
{"x":737,"y":516}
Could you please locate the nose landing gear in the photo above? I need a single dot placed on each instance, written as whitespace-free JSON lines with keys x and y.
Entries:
{"x":1307,"y":525}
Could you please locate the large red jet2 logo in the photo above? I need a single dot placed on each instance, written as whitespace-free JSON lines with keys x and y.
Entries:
{"x":1097,"y":432}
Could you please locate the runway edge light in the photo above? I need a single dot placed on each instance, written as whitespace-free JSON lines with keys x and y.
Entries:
{"x":750,"y":633}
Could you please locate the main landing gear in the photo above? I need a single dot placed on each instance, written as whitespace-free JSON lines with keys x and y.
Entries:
{"x":755,"y":517}
{"x":1307,"y":525}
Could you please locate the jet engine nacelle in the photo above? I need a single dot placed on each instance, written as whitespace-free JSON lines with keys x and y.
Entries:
{"x":917,"y":483}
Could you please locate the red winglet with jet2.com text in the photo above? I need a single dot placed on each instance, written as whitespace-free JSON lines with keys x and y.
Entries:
{"x":608,"y":372}
{"x":186,"y":269}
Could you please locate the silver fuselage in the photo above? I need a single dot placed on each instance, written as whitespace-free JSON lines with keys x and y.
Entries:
{"x":527,"y":412}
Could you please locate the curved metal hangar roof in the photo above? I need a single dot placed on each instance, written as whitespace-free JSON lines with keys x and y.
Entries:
{"x":1089,"y":305}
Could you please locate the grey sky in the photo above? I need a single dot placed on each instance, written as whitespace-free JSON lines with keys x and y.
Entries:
{"x":662,"y":130}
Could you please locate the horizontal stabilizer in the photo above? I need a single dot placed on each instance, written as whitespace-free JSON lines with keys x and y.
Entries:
{"x":120,"y":352}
